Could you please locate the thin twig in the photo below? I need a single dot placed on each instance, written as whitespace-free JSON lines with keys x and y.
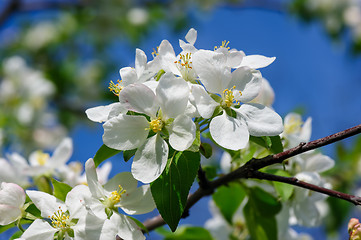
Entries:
{"x":250,"y":169}
{"x":294,"y":181}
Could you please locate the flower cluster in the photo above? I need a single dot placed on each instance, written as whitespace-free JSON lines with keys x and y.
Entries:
{"x":165,"y":101}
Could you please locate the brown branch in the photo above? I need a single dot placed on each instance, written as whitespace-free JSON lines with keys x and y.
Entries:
{"x":294,"y":181}
{"x":250,"y":170}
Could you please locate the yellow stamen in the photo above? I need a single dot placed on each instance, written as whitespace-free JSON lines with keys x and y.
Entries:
{"x":115,"y":196}
{"x":115,"y":87}
{"x":155,"y":52}
{"x":293,"y":126}
{"x":156,"y":125}
{"x":224,"y":45}
{"x":228,"y":97}
{"x":42,"y":158}
{"x":60,"y":219}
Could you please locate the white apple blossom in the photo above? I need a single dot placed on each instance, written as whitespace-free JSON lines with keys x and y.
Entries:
{"x":241,"y":85}
{"x":102,"y":202}
{"x":13,"y":170}
{"x":295,"y":130}
{"x":12,"y":200}
{"x":63,"y":216}
{"x":166,"y":110}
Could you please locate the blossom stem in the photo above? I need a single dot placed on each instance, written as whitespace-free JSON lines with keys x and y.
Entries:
{"x":294,"y":181}
{"x":19,"y":225}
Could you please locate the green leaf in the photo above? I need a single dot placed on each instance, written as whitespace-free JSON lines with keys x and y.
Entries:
{"x":170,"y":190}
{"x":186,"y":232}
{"x":277,"y":145}
{"x":206,"y":150}
{"x":260,"y":214}
{"x":211,"y":172}
{"x":273,"y":143}
{"x":104,"y":153}
{"x":60,"y":189}
{"x":196,"y":143}
{"x":16,"y":235}
{"x":128,"y":154}
{"x":228,"y":199}
{"x":3,"y":228}
{"x":284,"y":190}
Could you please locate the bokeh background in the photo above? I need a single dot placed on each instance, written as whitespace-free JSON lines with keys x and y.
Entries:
{"x":79,"y":46}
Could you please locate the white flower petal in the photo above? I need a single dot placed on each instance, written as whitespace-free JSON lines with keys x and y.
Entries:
{"x":139,"y":98}
{"x":319,"y":163}
{"x":125,"y":179}
{"x":226,"y":162}
{"x":128,"y":75}
{"x":256,"y":61}
{"x":12,"y":194}
{"x":116,"y":110}
{"x":212,"y":71}
{"x":46,"y":203}
{"x":305,"y":133}
{"x":101,"y":113}
{"x":75,"y":201}
{"x":247,"y":81}
{"x":261,"y":120}
{"x":150,"y":159}
{"x":191,"y":36}
{"x":95,"y":187}
{"x":90,"y":227}
{"x":204,"y":103}
{"x":229,"y":132}
{"x":182,"y":133}
{"x":172,"y":94}
{"x":168,"y":58}
{"x":140,"y":61}
{"x":62,"y":153}
{"x":39,"y":229}
{"x":234,"y":58}
{"x":125,"y":132}
{"x":124,"y":227}
{"x":139,"y":201}
{"x":9,"y":214}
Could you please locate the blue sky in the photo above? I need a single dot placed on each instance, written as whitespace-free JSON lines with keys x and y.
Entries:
{"x":310,"y":72}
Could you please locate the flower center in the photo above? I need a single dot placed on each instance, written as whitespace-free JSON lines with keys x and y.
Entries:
{"x":228,"y":97}
{"x":42,"y":158}
{"x":156,"y":125}
{"x":224,"y":45}
{"x":184,"y":65}
{"x":60,"y":219}
{"x":115,"y":87}
{"x":115,"y":197}
{"x":293,"y":126}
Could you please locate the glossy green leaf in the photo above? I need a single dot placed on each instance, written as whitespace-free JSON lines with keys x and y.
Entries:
{"x":260,"y":214}
{"x":284,"y":190}
{"x":60,"y":189}
{"x":170,"y":190}
{"x":206,"y":150}
{"x":128,"y":154}
{"x":186,"y":232}
{"x":104,"y":153}
{"x":277,"y":145}
{"x":196,"y":143}
{"x":228,"y":199}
